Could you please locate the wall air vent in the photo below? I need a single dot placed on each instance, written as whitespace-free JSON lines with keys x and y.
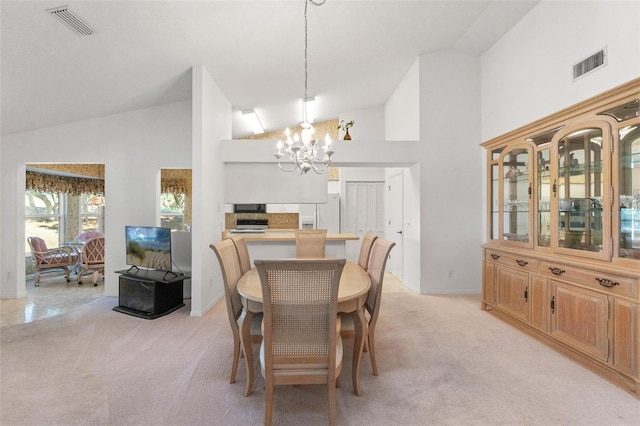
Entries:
{"x":70,"y":19}
{"x":592,"y":63}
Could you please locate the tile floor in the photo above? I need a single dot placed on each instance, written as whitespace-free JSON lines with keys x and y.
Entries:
{"x":55,"y":296}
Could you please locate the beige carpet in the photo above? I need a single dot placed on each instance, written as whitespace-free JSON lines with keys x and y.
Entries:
{"x":442,"y":361}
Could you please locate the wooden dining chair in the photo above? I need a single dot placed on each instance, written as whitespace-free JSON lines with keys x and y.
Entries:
{"x":377,"y":263}
{"x":310,"y":243}
{"x":243,"y":252}
{"x":230,"y":266}
{"x":302,"y":343}
{"x":365,"y":249}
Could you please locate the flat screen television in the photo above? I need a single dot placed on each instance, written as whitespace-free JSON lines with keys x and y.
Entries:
{"x":149,"y":247}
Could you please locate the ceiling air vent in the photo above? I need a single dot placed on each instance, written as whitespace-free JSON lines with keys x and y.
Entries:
{"x":70,"y":19}
{"x":593,"y":62}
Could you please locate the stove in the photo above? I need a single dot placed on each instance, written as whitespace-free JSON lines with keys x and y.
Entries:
{"x":252,"y":223}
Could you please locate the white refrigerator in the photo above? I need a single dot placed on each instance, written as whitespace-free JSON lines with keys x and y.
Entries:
{"x":322,"y":216}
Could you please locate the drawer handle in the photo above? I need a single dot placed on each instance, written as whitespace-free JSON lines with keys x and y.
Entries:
{"x":606,"y":282}
{"x":495,"y":256}
{"x":557,"y":271}
{"x":522,"y":262}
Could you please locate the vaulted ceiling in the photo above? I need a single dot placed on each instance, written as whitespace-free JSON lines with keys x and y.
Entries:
{"x":141,"y":54}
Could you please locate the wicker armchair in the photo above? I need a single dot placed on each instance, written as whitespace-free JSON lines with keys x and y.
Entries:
{"x":92,"y":259}
{"x":87,"y":235}
{"x":302,"y":343}
{"x":310,"y":243}
{"x":230,"y":266}
{"x":57,"y":259}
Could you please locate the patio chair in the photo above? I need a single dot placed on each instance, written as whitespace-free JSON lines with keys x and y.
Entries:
{"x":92,"y":259}
{"x":48,"y":260}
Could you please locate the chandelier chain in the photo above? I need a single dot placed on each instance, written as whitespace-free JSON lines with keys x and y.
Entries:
{"x":304,"y":153}
{"x":306,"y":38}
{"x":304,"y":100}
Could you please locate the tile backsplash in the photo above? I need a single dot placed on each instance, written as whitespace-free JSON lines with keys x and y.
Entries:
{"x":276,"y":220}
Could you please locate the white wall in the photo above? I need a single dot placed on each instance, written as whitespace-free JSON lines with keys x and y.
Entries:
{"x":369,"y":123}
{"x":402,"y":120}
{"x":134,"y":146}
{"x":451,"y":166}
{"x":527,"y":74}
{"x":266,"y":183}
{"x":211,"y":125}
{"x":402,"y":110}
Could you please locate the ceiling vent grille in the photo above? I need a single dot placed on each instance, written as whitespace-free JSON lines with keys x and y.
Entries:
{"x":71,"y":20}
{"x":593,"y":62}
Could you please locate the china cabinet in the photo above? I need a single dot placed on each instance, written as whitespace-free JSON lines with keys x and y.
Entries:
{"x":562,"y":254}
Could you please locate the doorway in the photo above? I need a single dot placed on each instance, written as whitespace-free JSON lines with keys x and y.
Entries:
{"x":395,"y":212}
{"x":61,"y":202}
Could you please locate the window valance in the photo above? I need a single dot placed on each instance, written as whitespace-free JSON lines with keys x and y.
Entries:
{"x":43,"y":182}
{"x":173,"y":186}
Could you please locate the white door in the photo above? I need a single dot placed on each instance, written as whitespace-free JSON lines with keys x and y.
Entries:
{"x":364,"y":207}
{"x":395,"y":224}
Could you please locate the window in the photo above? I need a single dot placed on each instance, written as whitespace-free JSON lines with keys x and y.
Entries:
{"x":90,"y":217}
{"x":172,"y":210}
{"x":43,"y":217}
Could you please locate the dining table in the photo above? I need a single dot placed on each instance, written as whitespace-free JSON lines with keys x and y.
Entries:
{"x":352,"y":294}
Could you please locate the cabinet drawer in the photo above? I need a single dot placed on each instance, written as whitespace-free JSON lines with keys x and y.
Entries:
{"x":610,"y":283}
{"x":515,"y":261}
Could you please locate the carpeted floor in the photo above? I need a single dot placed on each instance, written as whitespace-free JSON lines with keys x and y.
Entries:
{"x":442,"y":361}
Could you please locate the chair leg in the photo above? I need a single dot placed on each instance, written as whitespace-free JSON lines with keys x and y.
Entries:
{"x":332,"y":402}
{"x":372,"y":354}
{"x":37,"y":278}
{"x":236,"y":357}
{"x":95,"y":278}
{"x":67,"y":272}
{"x":268,"y":401}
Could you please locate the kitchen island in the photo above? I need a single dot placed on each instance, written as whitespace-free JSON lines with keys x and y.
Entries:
{"x":281,"y":243}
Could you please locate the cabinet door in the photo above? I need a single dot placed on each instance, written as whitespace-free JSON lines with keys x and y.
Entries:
{"x":543,"y":218}
{"x":579,"y":318}
{"x":488,"y":284}
{"x":516,"y":195}
{"x":493,"y":189}
{"x":629,"y":190}
{"x":581,"y":188}
{"x":625,"y":344}
{"x":538,"y":298}
{"x":512,"y":292}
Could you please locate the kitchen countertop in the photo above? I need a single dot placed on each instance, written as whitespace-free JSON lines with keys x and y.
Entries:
{"x":284,"y":235}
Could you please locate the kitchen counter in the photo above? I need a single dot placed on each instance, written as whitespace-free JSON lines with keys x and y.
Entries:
{"x":281,"y":243}
{"x":282,"y":235}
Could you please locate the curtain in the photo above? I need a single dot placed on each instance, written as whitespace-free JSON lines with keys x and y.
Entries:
{"x":42,"y":182}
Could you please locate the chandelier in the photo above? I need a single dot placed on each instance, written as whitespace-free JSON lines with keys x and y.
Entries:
{"x":303,"y":151}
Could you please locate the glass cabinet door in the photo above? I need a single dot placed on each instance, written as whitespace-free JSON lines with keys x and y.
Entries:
{"x":494,"y":196}
{"x":629,"y":190}
{"x":544,"y":198}
{"x":516,"y":195}
{"x":582,"y":156}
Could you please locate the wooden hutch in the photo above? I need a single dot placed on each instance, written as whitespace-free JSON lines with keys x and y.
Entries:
{"x":562,"y":257}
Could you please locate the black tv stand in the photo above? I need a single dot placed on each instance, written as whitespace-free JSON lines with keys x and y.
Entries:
{"x":149,"y":294}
